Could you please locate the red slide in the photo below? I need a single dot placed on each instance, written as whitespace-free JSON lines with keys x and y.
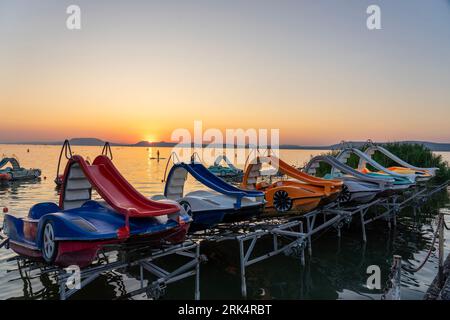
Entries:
{"x":117,"y":191}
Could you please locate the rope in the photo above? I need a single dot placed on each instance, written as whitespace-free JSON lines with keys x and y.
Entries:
{"x":413,"y":270}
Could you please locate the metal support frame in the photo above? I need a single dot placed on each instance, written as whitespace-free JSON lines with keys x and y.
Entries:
{"x":288,"y":237}
{"x":146,"y":262}
{"x":390,"y":208}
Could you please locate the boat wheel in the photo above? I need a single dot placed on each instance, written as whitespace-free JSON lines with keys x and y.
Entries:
{"x":345,"y":195}
{"x":281,"y":201}
{"x":187,"y":207}
{"x":49,"y":245}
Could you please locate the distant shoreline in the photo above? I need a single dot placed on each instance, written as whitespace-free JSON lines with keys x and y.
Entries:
{"x":433,"y":146}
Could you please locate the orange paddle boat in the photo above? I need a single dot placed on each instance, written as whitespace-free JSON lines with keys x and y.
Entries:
{"x":299,"y":193}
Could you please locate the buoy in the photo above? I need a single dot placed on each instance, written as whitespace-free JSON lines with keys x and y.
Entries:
{"x":5,"y":210}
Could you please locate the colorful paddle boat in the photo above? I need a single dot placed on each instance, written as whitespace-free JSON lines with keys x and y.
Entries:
{"x":401,"y":181}
{"x":15,"y":172}
{"x":404,"y":168}
{"x":299,"y":194}
{"x":221,"y":203}
{"x":73,"y":232}
{"x":358,"y":187}
{"x":224,"y":171}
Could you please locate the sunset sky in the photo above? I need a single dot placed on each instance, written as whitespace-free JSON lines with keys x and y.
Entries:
{"x":137,"y":70}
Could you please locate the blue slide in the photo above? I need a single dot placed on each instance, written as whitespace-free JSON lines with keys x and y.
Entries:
{"x":204,"y":176}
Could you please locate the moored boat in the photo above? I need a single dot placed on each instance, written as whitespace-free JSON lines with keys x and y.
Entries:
{"x":76,"y":229}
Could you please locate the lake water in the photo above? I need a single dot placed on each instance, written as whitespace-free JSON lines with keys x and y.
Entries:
{"x":336,"y":270}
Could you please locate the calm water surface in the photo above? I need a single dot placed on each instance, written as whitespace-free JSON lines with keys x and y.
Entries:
{"x":336,"y":270}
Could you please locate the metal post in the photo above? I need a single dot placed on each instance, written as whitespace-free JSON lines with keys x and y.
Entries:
{"x":62,"y":287}
{"x":242,"y":261}
{"x":396,"y":282}
{"x":308,"y":226}
{"x":363,"y":225}
{"x":197,"y":273}
{"x":394,"y":219}
{"x":302,"y":258}
{"x":441,"y":247}
{"x":141,"y":272}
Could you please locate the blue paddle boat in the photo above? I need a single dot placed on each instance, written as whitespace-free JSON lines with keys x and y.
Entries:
{"x":218,"y":202}
{"x":73,"y":232}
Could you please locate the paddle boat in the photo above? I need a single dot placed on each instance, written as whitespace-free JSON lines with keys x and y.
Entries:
{"x":401,"y":181}
{"x":220,"y":203}
{"x":358,"y":187}
{"x":15,"y":172}
{"x":73,"y":232}
{"x":404,"y":168}
{"x":224,"y":171}
{"x":299,"y":194}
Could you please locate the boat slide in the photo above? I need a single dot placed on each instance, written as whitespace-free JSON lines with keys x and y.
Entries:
{"x":302,"y":193}
{"x":358,"y":187}
{"x":427,"y":173}
{"x":222,"y":203}
{"x":103,"y":176}
{"x":400,"y":179}
{"x":227,"y":161}
{"x":74,"y":231}
{"x":16,"y":172}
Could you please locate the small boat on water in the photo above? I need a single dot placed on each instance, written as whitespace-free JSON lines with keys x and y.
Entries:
{"x":358,"y":187}
{"x":224,"y":171}
{"x":15,"y":172}
{"x":300,"y":193}
{"x":73,"y":232}
{"x":220,"y":203}
{"x":421,"y":174}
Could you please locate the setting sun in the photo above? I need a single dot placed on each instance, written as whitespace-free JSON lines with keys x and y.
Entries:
{"x":150,"y":138}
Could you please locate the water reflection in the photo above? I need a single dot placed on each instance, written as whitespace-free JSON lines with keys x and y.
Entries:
{"x":336,"y":270}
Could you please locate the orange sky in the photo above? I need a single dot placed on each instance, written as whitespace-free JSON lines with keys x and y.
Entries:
{"x":138,"y":72}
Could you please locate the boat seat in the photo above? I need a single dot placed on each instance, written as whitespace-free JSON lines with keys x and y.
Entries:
{"x":77,"y":188}
{"x":175,"y":184}
{"x":40,"y":209}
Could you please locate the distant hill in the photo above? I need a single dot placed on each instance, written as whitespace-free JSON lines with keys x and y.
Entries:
{"x":86,"y":142}
{"x":433,"y":146}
